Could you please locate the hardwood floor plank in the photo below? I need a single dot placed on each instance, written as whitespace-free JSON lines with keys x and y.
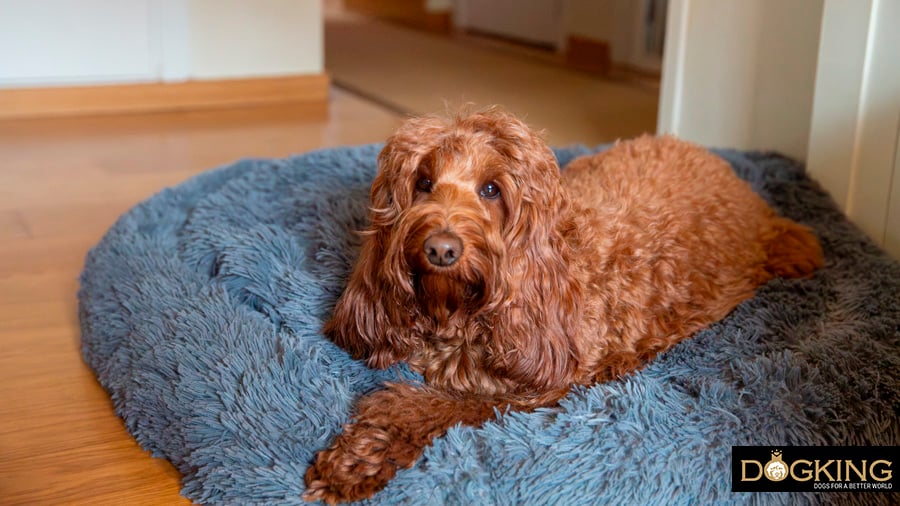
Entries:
{"x":46,"y":286}
{"x":63,"y":183}
{"x":60,"y":441}
{"x":13,"y":226}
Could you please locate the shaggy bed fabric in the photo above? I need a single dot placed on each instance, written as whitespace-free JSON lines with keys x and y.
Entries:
{"x":201,"y":312}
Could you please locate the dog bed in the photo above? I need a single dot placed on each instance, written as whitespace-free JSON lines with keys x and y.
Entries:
{"x":201,"y":311}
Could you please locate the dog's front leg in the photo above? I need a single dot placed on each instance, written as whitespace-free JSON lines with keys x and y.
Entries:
{"x":390,"y":431}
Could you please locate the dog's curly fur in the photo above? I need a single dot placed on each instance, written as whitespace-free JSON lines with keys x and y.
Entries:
{"x":561,"y":278}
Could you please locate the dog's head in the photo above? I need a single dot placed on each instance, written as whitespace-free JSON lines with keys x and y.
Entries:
{"x":469,"y":220}
{"x":456,"y":198}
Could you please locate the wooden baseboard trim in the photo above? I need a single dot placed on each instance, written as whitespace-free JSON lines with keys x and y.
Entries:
{"x":161,"y":97}
{"x":588,"y":55}
{"x":411,"y":13}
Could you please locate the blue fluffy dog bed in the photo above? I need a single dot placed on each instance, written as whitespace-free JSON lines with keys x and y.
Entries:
{"x":201,"y":312}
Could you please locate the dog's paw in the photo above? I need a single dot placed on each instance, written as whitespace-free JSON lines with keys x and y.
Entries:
{"x":355,"y":467}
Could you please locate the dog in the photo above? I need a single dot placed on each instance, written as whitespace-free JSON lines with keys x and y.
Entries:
{"x":505,"y":281}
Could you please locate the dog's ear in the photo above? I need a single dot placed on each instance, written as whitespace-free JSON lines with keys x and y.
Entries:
{"x":537,"y":326}
{"x":373,"y":315}
{"x":396,"y":162}
{"x":537,"y":323}
{"x":369,"y":321}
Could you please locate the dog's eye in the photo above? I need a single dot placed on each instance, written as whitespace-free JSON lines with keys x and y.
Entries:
{"x":423,"y":185}
{"x":490,"y":191}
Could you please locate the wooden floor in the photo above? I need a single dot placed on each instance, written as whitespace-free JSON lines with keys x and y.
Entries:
{"x":570,"y":106}
{"x":63,"y":182}
{"x":62,"y":185}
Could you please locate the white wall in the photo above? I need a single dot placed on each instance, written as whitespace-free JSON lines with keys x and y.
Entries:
{"x":892,"y":223}
{"x":435,"y":6}
{"x":741,"y":74}
{"x":616,"y":22}
{"x":786,"y":75}
{"x":841,"y":65}
{"x":260,"y":37}
{"x":64,"y":42}
{"x":536,"y":21}
{"x":817,"y":80}
{"x":602,"y":20}
{"x":855,"y":137}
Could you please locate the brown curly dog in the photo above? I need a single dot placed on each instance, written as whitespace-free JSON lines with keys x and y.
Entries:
{"x":505,"y":282}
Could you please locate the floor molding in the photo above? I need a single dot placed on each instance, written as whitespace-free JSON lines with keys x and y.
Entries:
{"x":589,"y":55}
{"x":412,"y":13}
{"x":161,"y":97}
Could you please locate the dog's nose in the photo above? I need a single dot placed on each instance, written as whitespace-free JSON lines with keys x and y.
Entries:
{"x":443,"y":248}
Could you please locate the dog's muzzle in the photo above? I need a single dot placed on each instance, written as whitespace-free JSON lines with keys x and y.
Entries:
{"x":442,"y":249}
